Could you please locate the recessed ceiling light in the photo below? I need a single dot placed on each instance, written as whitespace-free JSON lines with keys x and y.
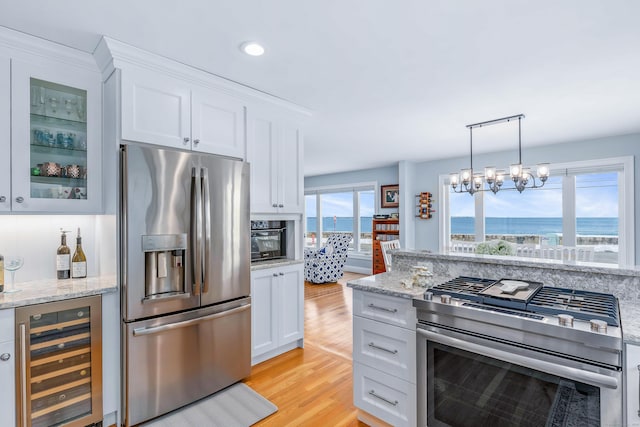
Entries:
{"x":252,"y":48}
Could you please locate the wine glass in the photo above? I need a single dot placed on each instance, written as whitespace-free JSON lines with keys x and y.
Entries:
{"x":12,"y":263}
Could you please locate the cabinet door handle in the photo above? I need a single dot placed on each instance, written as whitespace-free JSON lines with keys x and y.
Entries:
{"x":275,"y":274}
{"x":185,"y":140}
{"x":377,"y":307}
{"x":384,"y":399}
{"x":281,"y":274}
{"x":377,"y":347}
{"x":19,"y":199}
{"x":196,"y":141}
{"x":3,"y":199}
{"x":5,"y":356}
{"x":281,"y":205}
{"x":23,"y":372}
{"x":275,"y":205}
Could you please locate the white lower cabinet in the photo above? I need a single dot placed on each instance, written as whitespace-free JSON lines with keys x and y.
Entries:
{"x":7,"y":368}
{"x":277,"y":311}
{"x":384,"y":357}
{"x":632,"y":385}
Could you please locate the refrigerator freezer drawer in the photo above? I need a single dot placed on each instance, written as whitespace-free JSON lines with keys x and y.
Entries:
{"x":177,"y":359}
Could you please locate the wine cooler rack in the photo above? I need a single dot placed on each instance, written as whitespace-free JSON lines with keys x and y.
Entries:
{"x":59,"y":363}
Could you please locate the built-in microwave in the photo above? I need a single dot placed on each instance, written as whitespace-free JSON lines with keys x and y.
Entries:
{"x":268,"y":240}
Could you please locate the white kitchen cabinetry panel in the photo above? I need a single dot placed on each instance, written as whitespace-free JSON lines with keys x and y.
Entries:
{"x":384,"y":308}
{"x":275,"y":151}
{"x":7,"y":368}
{"x":384,"y":396}
{"x":217,"y":123}
{"x":277,"y":311}
{"x":384,"y":347}
{"x":55,"y":138}
{"x":155,"y":108}
{"x":5,"y":134}
{"x":384,"y":357}
{"x":164,"y":110}
{"x":632,"y":385}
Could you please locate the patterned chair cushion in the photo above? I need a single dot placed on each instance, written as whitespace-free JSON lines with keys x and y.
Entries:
{"x":325,"y":264}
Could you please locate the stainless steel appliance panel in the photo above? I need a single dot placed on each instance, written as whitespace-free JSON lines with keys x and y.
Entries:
{"x":226,"y":229}
{"x":156,"y":203}
{"x":174,"y":360}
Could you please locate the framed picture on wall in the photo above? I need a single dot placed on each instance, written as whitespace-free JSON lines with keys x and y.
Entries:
{"x":389,"y":196}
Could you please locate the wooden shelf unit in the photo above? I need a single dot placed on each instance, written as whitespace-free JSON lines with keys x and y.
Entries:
{"x":383,"y":229}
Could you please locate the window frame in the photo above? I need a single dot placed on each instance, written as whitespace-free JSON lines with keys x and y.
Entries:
{"x":626,"y":202}
{"x":355,"y":188}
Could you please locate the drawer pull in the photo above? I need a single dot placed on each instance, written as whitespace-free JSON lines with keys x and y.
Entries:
{"x":377,"y":307}
{"x":384,"y":399}
{"x":372,"y":345}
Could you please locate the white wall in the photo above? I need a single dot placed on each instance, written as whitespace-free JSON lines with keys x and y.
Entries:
{"x":37,"y":237}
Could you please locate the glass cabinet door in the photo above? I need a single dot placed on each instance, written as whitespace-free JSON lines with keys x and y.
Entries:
{"x":58,"y":151}
{"x":55,"y":138}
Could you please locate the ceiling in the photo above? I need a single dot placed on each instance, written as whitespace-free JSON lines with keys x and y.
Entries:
{"x":391,"y":80}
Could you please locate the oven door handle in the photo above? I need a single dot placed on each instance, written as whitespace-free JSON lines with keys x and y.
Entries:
{"x":598,"y":380}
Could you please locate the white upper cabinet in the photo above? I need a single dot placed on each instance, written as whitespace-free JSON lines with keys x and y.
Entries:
{"x":5,"y":134}
{"x":165,"y":110}
{"x":55,"y":137}
{"x":275,"y":150}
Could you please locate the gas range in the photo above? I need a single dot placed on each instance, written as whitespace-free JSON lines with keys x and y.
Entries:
{"x":569,"y":323}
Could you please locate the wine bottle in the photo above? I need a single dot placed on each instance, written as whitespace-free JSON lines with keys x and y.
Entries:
{"x":1,"y":273}
{"x":63,"y":257}
{"x":79,"y":260}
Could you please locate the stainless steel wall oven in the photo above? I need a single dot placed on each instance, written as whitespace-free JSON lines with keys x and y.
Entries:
{"x":268,"y":240}
{"x":505,"y":364}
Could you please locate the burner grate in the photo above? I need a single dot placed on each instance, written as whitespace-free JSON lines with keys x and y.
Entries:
{"x":468,"y":288}
{"x":583,"y":305}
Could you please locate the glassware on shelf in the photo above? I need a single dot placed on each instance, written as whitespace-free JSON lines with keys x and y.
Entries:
{"x":12,"y":263}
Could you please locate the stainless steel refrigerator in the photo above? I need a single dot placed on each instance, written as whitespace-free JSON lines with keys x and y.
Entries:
{"x":185,"y":275}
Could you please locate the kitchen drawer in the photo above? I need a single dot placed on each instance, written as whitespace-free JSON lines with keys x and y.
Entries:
{"x":384,"y":347}
{"x":7,"y":325}
{"x":396,"y":311}
{"x":384,"y":396}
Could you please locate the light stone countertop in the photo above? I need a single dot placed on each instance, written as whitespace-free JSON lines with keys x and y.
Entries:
{"x":261,"y":265}
{"x":630,"y":316}
{"x":41,"y":291}
{"x":388,"y":284}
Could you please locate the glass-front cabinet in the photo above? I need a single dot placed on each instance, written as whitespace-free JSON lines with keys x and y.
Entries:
{"x":55,"y":139}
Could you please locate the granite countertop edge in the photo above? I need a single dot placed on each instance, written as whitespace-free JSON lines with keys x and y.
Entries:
{"x":387,"y":284}
{"x":630,"y":318}
{"x":262,"y":265}
{"x":48,"y":290}
{"x":579,"y":266}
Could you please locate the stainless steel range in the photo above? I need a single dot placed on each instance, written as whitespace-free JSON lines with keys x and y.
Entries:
{"x":512,"y":352}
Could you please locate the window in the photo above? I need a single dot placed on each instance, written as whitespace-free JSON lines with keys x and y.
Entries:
{"x":341,"y":209}
{"x":579,"y":214}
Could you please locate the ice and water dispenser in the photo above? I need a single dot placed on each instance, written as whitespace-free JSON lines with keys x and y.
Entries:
{"x":164,"y":258}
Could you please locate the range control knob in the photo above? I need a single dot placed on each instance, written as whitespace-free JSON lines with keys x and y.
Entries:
{"x":565,"y":320}
{"x":428,"y":296}
{"x":598,"y":326}
{"x":445,"y":299}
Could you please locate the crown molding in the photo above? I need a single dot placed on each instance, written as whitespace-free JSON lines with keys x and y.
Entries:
{"x":111,"y":54}
{"x":23,"y":46}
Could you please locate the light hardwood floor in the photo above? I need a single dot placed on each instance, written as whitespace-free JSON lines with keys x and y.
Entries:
{"x":313,"y":386}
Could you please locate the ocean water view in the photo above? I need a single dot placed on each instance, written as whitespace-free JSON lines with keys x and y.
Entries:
{"x":494,"y":225}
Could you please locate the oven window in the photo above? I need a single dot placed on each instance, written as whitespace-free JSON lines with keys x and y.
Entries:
{"x":467,"y":389}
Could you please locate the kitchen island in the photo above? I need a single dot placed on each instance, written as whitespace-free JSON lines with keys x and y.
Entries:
{"x":623,"y":283}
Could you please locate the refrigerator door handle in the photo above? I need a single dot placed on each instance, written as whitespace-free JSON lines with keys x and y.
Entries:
{"x":183,"y":324}
{"x":207,"y":228}
{"x":196,"y":231}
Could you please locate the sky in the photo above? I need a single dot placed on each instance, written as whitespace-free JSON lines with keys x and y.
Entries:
{"x":596,"y":196}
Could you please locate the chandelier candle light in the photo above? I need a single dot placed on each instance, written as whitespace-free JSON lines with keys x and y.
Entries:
{"x":521,"y":176}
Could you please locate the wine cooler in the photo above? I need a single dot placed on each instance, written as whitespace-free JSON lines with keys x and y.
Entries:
{"x":59,"y":363}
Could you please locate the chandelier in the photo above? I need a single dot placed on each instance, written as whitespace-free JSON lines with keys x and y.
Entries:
{"x":493,"y":179}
